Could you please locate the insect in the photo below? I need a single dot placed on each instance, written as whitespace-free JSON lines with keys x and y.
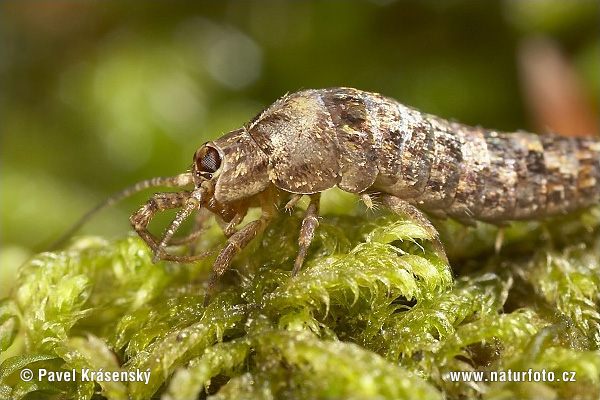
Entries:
{"x":365,"y":143}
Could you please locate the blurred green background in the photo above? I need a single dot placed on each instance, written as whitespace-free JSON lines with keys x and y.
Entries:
{"x":99,"y":95}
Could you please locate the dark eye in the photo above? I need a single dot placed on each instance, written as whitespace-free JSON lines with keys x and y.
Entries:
{"x":207,"y":161}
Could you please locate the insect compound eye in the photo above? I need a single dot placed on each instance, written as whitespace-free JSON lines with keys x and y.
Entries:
{"x":207,"y":161}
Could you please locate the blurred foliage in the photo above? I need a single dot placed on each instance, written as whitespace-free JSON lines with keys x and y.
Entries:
{"x":99,"y":95}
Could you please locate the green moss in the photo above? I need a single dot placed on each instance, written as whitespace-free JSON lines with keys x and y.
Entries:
{"x":373,"y":314}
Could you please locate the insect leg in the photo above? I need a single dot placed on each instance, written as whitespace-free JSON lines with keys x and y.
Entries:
{"x":230,"y":228}
{"x":307,"y":232}
{"x":237,"y":242}
{"x":141,"y":219}
{"x":402,"y":207}
{"x":192,"y":203}
{"x":197,"y":230}
{"x":289,"y":206}
{"x":159,"y":202}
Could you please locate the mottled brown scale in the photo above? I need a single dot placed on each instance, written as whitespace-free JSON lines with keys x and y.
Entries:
{"x":313,"y":140}
{"x":474,"y":170}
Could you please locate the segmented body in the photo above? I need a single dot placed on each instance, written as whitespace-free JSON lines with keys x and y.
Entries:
{"x":447,"y":168}
{"x":364,"y":143}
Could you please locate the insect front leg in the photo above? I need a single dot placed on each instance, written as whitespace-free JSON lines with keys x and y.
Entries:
{"x":237,"y":242}
{"x":402,"y":207}
{"x":159,"y":202}
{"x":307,"y":231}
{"x":142,"y":218}
{"x":197,"y":229}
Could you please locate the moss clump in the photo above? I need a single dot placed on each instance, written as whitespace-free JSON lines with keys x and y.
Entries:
{"x":373,"y":314}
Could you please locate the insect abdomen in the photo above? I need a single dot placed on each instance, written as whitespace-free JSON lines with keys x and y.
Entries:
{"x":475,"y":174}
{"x":531,"y":176}
{"x":465,"y":172}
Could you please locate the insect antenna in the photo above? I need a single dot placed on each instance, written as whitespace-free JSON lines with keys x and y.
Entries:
{"x":180,"y":180}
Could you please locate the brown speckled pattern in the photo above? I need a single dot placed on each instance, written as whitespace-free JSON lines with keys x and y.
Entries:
{"x":456,"y":170}
{"x":365,"y":143}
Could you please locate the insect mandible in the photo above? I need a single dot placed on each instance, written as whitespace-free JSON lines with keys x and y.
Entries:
{"x":365,"y":143}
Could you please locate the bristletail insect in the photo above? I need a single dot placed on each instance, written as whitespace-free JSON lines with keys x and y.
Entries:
{"x":365,"y":143}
